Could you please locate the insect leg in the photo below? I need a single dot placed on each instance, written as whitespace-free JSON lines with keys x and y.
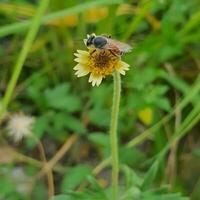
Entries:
{"x":114,"y":53}
{"x":92,"y":52}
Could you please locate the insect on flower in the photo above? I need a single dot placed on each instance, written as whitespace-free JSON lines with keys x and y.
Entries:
{"x":102,"y":58}
{"x":103,"y":42}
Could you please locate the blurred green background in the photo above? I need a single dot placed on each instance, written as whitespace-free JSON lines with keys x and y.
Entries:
{"x":159,"y":109}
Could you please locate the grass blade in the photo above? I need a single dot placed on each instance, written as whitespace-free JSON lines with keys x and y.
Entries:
{"x":23,"y":54}
{"x":22,"y":26}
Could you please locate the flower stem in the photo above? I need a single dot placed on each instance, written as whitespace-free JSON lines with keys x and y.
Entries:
{"x":113,"y":133}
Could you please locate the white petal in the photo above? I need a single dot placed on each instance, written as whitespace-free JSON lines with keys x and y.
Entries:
{"x":81,"y":60}
{"x":77,"y":67}
{"x":125,"y":68}
{"x":81,"y":57}
{"x":90,"y":78}
{"x":85,"y":41}
{"x":122,"y":64}
{"x":122,"y":67}
{"x":77,"y":54}
{"x":99,"y":81}
{"x":81,"y":73}
{"x":82,"y":52}
{"x":121,"y":71}
{"x":95,"y":79}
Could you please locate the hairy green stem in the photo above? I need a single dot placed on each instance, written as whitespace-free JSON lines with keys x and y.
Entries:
{"x":113,"y":134}
{"x":23,"y":54}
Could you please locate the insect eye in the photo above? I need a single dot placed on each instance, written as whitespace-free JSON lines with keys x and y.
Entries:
{"x":99,"y":42}
{"x":90,"y":40}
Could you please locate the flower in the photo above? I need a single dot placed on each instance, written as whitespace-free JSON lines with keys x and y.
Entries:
{"x":19,"y":126}
{"x":146,"y":115}
{"x":99,"y":63}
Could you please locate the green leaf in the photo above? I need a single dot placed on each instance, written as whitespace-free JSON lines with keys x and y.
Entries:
{"x":176,"y":196}
{"x":100,"y":117}
{"x":164,"y":104}
{"x":177,"y":82}
{"x":60,"y":98}
{"x":34,"y":93}
{"x":95,"y":192}
{"x":40,"y":125}
{"x":196,"y":152}
{"x":149,"y":74}
{"x":59,"y":121}
{"x":101,"y":96}
{"x":131,"y":157}
{"x":39,"y":128}
{"x":132,"y":193}
{"x":74,"y":177}
{"x":150,"y":175}
{"x":131,"y":177}
{"x":102,"y":141}
{"x":99,"y":138}
{"x":62,"y":197}
{"x":74,"y":124}
{"x":7,"y":186}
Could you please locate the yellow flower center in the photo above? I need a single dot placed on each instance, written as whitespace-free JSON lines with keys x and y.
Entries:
{"x":102,"y":62}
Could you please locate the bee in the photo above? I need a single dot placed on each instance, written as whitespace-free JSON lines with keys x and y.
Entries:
{"x":102,"y":42}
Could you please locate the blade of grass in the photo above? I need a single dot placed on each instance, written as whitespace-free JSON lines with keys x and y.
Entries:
{"x":23,"y":54}
{"x":149,"y":132}
{"x":188,"y":123}
{"x":21,"y":26}
{"x":145,"y":7}
{"x":193,"y":22}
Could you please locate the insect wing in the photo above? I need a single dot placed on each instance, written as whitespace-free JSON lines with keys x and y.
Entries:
{"x":115,"y":44}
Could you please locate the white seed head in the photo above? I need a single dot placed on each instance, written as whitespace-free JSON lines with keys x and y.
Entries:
{"x":19,"y":126}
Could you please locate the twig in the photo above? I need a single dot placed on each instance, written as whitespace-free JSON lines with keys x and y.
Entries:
{"x":60,"y":153}
{"x":171,"y":165}
{"x":50,"y":178}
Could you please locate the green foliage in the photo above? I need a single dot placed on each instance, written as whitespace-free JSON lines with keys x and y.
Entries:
{"x":74,"y":177}
{"x":150,"y":176}
{"x":60,"y":98}
{"x":101,"y":141}
{"x":159,"y":108}
{"x":62,"y":197}
{"x":96,"y":193}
